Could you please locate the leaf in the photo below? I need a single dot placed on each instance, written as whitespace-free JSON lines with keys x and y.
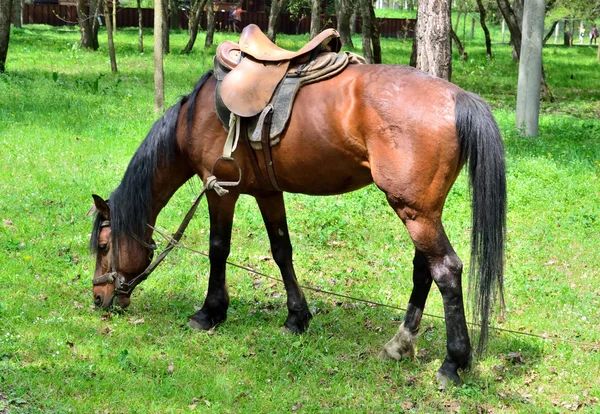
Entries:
{"x":170,"y":368}
{"x":296,"y":406}
{"x":8,"y":223}
{"x":516,"y":358}
{"x":105,"y":331}
{"x":42,"y":297}
{"x":137,"y":321}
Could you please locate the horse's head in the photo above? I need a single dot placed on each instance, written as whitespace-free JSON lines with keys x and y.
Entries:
{"x":120,"y":260}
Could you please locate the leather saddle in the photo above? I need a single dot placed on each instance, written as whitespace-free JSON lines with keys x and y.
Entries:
{"x":254,"y":67}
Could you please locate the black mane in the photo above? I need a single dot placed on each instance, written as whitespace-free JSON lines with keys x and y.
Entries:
{"x":130,"y":202}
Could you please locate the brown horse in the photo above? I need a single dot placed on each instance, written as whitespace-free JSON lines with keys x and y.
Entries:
{"x":406,"y":131}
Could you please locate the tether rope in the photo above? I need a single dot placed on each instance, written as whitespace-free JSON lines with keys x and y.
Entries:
{"x":590,"y":345}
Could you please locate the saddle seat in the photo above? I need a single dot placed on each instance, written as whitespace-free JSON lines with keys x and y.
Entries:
{"x":253,"y":42}
{"x":255,"y":66}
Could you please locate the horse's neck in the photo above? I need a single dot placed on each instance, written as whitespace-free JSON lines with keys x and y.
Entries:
{"x":166,"y":182}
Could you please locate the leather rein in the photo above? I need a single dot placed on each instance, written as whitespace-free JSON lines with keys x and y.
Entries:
{"x":124,"y":287}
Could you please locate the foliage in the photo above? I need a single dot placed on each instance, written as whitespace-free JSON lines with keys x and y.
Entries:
{"x":71,"y":132}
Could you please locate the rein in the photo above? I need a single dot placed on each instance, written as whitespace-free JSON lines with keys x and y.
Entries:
{"x":122,"y":286}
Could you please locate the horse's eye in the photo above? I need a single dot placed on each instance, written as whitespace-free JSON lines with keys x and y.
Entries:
{"x":102,"y":246}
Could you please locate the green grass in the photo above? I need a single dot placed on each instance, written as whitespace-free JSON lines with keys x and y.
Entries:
{"x":68,"y":129}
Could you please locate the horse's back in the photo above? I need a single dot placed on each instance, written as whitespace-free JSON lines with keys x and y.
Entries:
{"x":346,"y":127}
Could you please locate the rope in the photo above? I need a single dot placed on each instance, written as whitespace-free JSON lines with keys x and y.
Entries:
{"x":586,"y":345}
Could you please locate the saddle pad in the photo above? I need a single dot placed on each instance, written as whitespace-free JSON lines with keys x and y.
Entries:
{"x":247,"y":89}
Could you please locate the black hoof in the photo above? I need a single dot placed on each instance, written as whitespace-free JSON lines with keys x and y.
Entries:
{"x":448,"y":372}
{"x":205,"y":319}
{"x":297,"y":322}
{"x":445,"y":378}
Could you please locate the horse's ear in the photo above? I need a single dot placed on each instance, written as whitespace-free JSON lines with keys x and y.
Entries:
{"x":101,"y":206}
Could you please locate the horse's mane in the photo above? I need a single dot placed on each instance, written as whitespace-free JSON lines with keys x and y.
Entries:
{"x":131,"y":201}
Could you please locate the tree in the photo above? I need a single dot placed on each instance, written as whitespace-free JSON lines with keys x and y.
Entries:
{"x":140,"y":26}
{"x":343,"y":11}
{"x":5,"y":13}
{"x":86,"y":18}
{"x":434,"y":50}
{"x":514,"y":26}
{"x":210,"y":24}
{"x":165,"y":27}
{"x":530,"y":67}
{"x":370,"y":33}
{"x":196,"y":13}
{"x":276,"y":7}
{"x":18,"y":13}
{"x":159,"y":71}
{"x":173,"y":15}
{"x":315,"y":18}
{"x":488,"y":40}
{"x":109,"y":34}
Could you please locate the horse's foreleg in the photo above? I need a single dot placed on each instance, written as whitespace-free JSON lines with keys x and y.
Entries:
{"x":402,"y":345}
{"x":273,"y":212}
{"x":214,"y":310}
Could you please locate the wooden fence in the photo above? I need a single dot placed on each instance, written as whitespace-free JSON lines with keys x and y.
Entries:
{"x":63,"y":15}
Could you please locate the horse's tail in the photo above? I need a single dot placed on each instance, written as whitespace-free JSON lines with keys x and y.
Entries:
{"x":482,"y":148}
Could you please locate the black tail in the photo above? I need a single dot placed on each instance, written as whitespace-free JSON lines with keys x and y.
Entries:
{"x":481,"y":146}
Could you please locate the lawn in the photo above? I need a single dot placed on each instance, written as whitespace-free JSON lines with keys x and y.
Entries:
{"x":68,"y":128}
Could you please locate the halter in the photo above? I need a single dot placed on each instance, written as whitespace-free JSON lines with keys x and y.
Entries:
{"x":122,"y":286}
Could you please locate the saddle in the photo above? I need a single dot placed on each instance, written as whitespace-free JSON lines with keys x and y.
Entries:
{"x":257,"y":82}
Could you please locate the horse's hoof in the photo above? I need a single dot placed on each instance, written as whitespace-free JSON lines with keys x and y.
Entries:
{"x":297,"y":322}
{"x":203,"y":321}
{"x":445,"y":379}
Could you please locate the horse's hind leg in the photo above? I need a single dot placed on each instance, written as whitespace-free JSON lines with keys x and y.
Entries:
{"x":445,"y":267}
{"x":402,"y":345}
{"x":214,"y":310}
{"x":273,"y":212}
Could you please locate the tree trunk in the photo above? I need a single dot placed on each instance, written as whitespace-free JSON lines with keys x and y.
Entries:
{"x":5,"y":13}
{"x":18,"y":13}
{"x":210,"y":24}
{"x":114,"y":17}
{"x":459,"y":45}
{"x":375,"y":37}
{"x":193,"y":25}
{"x":140,"y":26}
{"x":165,"y":27}
{"x":315,"y":18}
{"x":174,"y":14}
{"x":343,"y":11}
{"x":94,"y":18}
{"x":415,"y":46}
{"x":458,"y":14}
{"x":488,"y":39}
{"x":530,"y":68}
{"x":353,"y":17}
{"x":367,"y":28}
{"x":276,"y":7}
{"x":85,"y":25}
{"x":159,"y":72}
{"x":109,"y":34}
{"x":472,"y":28}
{"x":518,"y":6}
{"x":551,"y":31}
{"x":513,"y":25}
{"x":434,"y":51}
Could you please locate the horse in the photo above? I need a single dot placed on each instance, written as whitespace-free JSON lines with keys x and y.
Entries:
{"x":407,"y":132}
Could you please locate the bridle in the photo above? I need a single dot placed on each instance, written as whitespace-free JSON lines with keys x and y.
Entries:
{"x":124,"y":287}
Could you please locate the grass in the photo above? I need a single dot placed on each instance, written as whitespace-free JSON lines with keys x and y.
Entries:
{"x":69,"y":128}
